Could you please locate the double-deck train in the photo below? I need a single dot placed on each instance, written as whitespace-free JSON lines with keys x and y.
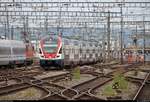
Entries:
{"x":13,"y":52}
{"x":59,"y":51}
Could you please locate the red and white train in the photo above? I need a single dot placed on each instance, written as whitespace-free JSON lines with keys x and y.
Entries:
{"x":55,"y":50}
{"x":13,"y":52}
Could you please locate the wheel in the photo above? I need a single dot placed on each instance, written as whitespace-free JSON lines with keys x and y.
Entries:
{"x":60,"y":64}
{"x":42,"y":63}
{"x":11,"y":64}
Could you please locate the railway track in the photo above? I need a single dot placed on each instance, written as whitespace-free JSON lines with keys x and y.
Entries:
{"x":86,"y":96}
{"x":83,"y":87}
{"x":27,"y":82}
{"x":24,"y":91}
{"x":121,"y":69}
{"x":79,"y":91}
{"x":55,"y":97}
{"x":55,"y":89}
{"x":99,"y":80}
{"x":98,"y":91}
{"x":143,"y":92}
{"x":6,"y":74}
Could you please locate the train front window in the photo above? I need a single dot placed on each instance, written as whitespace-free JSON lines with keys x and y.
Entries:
{"x":52,"y":41}
{"x":49,"y":49}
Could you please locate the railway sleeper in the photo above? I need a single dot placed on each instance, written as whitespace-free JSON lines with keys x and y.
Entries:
{"x":114,"y":98}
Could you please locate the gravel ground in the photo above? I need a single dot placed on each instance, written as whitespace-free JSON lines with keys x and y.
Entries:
{"x":140,"y":75}
{"x":126,"y":94}
{"x":9,"y":82}
{"x":105,"y":71}
{"x":145,"y":93}
{"x":74,"y":82}
{"x":146,"y":67}
{"x":50,"y":74}
{"x":31,"y":93}
{"x":51,"y":87}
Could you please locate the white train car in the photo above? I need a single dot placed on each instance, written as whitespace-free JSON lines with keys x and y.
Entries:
{"x":68,"y":52}
{"x":12,"y":52}
{"x":81,"y":52}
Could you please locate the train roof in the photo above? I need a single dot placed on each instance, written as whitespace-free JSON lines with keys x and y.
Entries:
{"x":54,"y":36}
{"x":78,"y":39}
{"x":14,"y":43}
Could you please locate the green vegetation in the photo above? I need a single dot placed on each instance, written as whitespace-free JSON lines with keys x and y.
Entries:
{"x":109,"y":91}
{"x":76,"y":73}
{"x":118,"y":83}
{"x":120,"y":79}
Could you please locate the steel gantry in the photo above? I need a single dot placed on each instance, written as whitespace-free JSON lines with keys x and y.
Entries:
{"x":90,"y":16}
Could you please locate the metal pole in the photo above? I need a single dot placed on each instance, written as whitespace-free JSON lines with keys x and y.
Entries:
{"x":105,"y":53}
{"x":5,"y":31}
{"x":7,"y":22}
{"x":86,"y":31}
{"x":12,"y":32}
{"x":144,"y":38}
{"x":103,"y":43}
{"x":24,"y":36}
{"x":27,"y":28}
{"x":121,"y":34}
{"x":59,"y":19}
{"x":108,"y":37}
{"x":46,"y":26}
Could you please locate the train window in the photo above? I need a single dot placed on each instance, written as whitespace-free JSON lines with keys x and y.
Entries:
{"x":50,"y":49}
{"x":18,"y":51}
{"x":100,"y":45}
{"x":101,"y":55}
{"x":40,"y":51}
{"x":33,"y":48}
{"x":5,"y":50}
{"x":80,"y":50}
{"x":85,"y":56}
{"x":76,"y":43}
{"x":72,"y":50}
{"x":66,"y":42}
{"x":52,"y":40}
{"x":96,"y":55}
{"x":76,"y":56}
{"x":140,"y":51}
{"x":87,"y":50}
{"x":96,"y":45}
{"x":60,"y":51}
{"x":90,"y":44}
{"x":148,"y":51}
{"x":84,"y":44}
{"x":91,"y":55}
{"x":93,"y":50}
